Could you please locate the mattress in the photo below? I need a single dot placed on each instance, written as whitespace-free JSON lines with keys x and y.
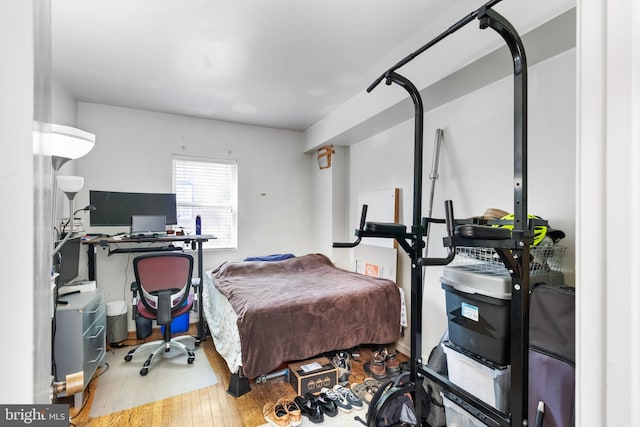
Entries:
{"x":263,"y":314}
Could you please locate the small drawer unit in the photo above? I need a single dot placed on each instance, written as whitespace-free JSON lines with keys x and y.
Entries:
{"x":80,"y":336}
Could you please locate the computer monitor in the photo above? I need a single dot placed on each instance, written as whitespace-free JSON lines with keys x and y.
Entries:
{"x":66,"y":261}
{"x":116,"y":208}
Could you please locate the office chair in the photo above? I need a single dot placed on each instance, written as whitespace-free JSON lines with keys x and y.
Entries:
{"x":163,"y":281}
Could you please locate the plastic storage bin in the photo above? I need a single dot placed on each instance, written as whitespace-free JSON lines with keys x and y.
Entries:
{"x":457,"y":416}
{"x":488,"y":382}
{"x":479,"y":308}
{"x":179,"y":324}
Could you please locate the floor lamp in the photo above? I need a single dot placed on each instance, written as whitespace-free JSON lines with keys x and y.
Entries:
{"x":67,"y":143}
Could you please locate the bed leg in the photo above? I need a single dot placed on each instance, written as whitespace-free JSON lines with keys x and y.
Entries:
{"x":238,"y":384}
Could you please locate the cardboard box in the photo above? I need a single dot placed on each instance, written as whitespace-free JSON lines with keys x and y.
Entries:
{"x":312,"y":375}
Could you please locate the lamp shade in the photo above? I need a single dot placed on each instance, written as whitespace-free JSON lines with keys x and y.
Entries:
{"x":70,"y":142}
{"x":70,"y":184}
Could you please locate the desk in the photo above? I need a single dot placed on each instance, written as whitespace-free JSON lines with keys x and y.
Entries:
{"x":106,"y":242}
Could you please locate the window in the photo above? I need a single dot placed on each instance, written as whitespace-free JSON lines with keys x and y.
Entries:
{"x":209,"y":188}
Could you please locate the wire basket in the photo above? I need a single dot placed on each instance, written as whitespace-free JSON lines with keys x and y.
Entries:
{"x":543,"y":259}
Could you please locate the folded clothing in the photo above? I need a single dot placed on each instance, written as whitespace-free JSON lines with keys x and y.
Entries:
{"x":273,"y":257}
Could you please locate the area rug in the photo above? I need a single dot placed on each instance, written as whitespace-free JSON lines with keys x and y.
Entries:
{"x":122,"y":387}
{"x":343,"y":419}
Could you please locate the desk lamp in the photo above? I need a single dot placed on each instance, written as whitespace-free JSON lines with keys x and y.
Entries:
{"x":73,"y":217}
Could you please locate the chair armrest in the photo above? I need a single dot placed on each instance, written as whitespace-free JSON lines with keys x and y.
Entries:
{"x":134,"y":300}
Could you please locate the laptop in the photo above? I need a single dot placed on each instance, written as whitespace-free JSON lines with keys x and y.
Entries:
{"x":148,"y":225}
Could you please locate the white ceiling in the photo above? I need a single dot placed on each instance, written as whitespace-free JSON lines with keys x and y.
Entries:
{"x":276,"y":63}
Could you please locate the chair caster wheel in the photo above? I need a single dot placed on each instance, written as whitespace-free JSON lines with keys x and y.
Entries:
{"x":197,"y":343}
{"x":128,"y":358}
{"x":144,"y":371}
{"x":190,"y":360}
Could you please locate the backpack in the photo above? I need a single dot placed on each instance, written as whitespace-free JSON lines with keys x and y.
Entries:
{"x":392,"y":404}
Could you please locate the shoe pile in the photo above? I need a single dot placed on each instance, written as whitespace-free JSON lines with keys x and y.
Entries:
{"x":343,"y":398}
{"x":342,"y":361}
{"x":328,"y":402}
{"x":283,"y":413}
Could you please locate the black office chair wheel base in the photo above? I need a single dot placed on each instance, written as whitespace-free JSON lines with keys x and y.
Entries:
{"x":191,"y":358}
{"x":128,"y":358}
{"x":144,"y":371}
{"x":197,"y":342}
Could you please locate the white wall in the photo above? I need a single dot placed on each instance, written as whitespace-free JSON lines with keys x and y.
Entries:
{"x":608,"y":206}
{"x":133,"y":152}
{"x":16,"y":188}
{"x":64,"y":111}
{"x":330,"y":198}
{"x":476,"y":166}
{"x":64,"y":106}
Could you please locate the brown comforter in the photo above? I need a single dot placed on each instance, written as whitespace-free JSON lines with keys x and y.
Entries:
{"x":300,"y":307}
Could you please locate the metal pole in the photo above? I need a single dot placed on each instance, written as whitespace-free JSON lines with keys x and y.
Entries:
{"x":433,"y":176}
{"x":452,"y":29}
{"x":521,"y":230}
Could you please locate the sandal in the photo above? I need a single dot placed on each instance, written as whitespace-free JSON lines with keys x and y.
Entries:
{"x":372,"y":382}
{"x":364,"y":392}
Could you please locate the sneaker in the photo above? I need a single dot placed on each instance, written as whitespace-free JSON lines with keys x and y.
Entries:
{"x":341,"y":402}
{"x":342,"y":361}
{"x":377,"y":366}
{"x":327,"y":406}
{"x":292,"y":408}
{"x":276,"y":414}
{"x":354,"y":400}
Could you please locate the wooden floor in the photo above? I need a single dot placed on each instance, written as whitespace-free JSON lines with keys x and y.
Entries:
{"x":211,"y":406}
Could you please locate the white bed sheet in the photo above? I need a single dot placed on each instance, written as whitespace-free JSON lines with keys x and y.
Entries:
{"x":222,"y":321}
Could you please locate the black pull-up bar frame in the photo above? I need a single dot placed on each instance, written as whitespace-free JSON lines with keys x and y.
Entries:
{"x":513,"y":250}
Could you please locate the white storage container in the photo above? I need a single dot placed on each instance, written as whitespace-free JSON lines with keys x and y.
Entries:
{"x":457,"y":416}
{"x":488,"y":382}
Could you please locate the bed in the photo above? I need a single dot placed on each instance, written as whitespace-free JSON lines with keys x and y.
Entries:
{"x":263,"y":314}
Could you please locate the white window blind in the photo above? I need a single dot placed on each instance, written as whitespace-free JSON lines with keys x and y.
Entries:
{"x":209,"y":188}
